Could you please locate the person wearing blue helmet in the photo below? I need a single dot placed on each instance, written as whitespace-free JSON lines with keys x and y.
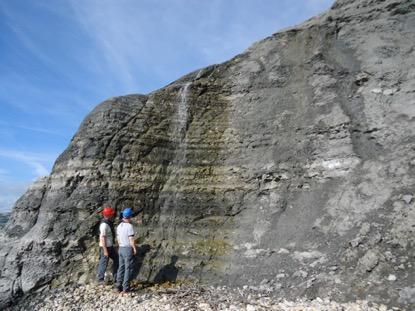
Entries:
{"x":126,"y":251}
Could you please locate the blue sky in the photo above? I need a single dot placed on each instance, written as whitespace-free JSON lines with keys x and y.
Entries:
{"x":58,"y":59}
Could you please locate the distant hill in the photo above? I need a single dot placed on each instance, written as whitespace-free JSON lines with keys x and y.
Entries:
{"x":3,"y":219}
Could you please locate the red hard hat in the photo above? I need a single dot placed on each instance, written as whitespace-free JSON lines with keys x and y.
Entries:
{"x":108,"y":212}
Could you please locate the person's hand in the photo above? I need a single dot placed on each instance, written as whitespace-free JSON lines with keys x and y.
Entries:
{"x":106,"y":253}
{"x":134,"y":251}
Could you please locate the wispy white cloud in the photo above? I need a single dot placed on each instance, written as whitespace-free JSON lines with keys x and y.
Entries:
{"x":30,"y":128}
{"x":3,"y":174}
{"x":36,"y":161}
{"x":318,"y":5}
{"x":136,"y":39}
{"x":111,"y":26}
{"x":31,"y":41}
{"x":38,"y":100}
{"x":28,"y":43}
{"x":45,"y":73}
{"x":9,"y":192}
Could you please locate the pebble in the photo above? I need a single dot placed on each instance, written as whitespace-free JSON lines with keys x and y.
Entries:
{"x":407,"y":198}
{"x":389,"y":92}
{"x":300,"y":273}
{"x":376,"y":91}
{"x":392,"y":277}
{"x":177,"y":297}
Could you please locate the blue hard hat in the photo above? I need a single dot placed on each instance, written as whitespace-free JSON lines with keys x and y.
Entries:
{"x":127,"y":213}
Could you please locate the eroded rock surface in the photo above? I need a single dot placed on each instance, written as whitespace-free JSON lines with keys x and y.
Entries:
{"x":289,"y":169}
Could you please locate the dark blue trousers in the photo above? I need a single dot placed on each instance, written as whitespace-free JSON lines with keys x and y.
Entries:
{"x":103,"y":263}
{"x":125,"y":268}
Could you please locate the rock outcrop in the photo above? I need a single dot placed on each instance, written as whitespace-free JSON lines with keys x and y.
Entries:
{"x":289,"y":169}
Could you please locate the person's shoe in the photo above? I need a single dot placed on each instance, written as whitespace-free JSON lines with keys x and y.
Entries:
{"x":117,"y":289}
{"x":126,"y":293}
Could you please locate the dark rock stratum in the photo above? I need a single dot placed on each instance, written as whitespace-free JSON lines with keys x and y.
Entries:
{"x":289,"y":169}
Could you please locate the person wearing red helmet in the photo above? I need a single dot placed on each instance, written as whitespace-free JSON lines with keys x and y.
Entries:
{"x":106,"y":245}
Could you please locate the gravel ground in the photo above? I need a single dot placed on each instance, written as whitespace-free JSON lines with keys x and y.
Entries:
{"x":175,"y":297}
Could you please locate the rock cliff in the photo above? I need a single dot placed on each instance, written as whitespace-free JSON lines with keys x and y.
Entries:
{"x":288,"y":169}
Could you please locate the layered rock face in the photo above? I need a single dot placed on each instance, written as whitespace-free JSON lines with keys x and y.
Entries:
{"x":289,"y":169}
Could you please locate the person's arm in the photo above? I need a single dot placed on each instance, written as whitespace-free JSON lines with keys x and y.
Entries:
{"x":103,"y":240}
{"x":131,"y":238}
{"x":132,"y":243}
{"x":104,"y":245}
